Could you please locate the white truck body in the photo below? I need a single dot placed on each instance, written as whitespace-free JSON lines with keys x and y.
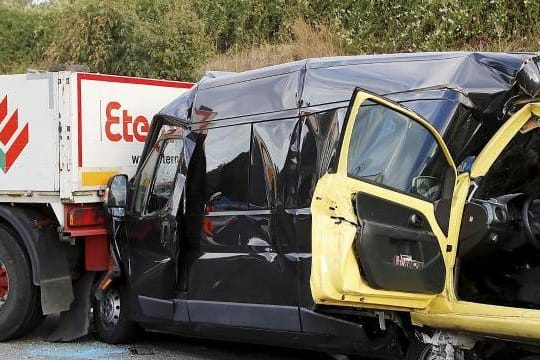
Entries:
{"x":63,"y":134}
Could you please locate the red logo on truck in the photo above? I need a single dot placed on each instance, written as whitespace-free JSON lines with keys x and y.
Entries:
{"x":13,"y":139}
{"x":121,"y":125}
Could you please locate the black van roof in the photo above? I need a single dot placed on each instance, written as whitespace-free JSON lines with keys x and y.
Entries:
{"x":477,"y":79}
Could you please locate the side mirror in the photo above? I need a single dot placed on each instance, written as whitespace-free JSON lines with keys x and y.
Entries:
{"x":426,"y":186}
{"x":116,"y":195}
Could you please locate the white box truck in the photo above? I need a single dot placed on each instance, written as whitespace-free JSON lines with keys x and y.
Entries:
{"x":62,"y":136}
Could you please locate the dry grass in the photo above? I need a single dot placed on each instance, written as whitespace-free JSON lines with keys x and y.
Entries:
{"x":309,"y":42}
{"x":323,"y":41}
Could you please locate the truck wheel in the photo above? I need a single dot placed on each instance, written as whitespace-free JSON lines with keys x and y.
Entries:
{"x":34,"y":318}
{"x":111,"y":317}
{"x":18,"y":296}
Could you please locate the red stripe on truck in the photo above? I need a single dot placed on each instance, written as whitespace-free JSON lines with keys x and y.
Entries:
{"x":16,"y":149}
{"x":3,"y":109}
{"x":9,"y":129}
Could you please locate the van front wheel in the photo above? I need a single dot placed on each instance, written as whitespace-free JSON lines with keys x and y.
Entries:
{"x":111,"y":317}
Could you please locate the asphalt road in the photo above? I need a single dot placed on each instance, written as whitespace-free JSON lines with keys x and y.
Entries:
{"x":152,"y":346}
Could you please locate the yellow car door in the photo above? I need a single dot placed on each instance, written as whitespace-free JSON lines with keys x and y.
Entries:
{"x":380,"y":221}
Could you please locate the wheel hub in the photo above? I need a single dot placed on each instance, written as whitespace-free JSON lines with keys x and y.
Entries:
{"x":4,"y":285}
{"x":110,"y":307}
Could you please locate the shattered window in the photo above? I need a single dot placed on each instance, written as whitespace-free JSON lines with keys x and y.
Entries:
{"x":391,"y":149}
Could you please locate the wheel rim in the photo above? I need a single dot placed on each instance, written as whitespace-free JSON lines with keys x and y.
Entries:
{"x":4,"y":286}
{"x":110,"y":307}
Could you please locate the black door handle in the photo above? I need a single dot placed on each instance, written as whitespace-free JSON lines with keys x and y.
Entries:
{"x":416,"y":221}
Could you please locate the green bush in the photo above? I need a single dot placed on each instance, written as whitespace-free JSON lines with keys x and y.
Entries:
{"x":428,"y":25}
{"x":24,"y":37}
{"x":174,"y":39}
{"x":159,"y":38}
{"x":245,"y":23}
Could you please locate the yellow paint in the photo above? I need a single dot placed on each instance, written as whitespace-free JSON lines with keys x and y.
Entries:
{"x":335,"y":276}
{"x":481,"y":318}
{"x":336,"y":279}
{"x":97,"y":178}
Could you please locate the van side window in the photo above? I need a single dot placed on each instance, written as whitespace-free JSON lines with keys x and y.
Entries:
{"x":318,"y":150}
{"x":273,"y":163}
{"x":391,"y":149}
{"x":227,"y":168}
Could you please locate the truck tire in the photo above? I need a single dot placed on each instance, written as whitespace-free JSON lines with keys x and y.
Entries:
{"x":34,"y":319}
{"x":19,"y":298}
{"x":111,"y":317}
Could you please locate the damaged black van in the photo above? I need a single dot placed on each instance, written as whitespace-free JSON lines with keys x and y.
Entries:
{"x":318,"y":204}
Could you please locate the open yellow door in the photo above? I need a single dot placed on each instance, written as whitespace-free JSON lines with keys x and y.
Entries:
{"x":377,"y":241}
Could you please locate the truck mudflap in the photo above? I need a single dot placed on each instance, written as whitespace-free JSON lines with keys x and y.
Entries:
{"x":75,"y":322}
{"x":50,"y":268}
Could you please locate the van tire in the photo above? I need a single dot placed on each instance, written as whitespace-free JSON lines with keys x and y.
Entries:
{"x":111,"y":317}
{"x":21,"y":309}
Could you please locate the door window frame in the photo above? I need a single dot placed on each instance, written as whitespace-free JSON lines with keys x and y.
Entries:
{"x":359,"y":97}
{"x":143,"y":214}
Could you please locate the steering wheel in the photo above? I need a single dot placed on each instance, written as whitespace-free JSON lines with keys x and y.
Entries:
{"x":531,"y":221}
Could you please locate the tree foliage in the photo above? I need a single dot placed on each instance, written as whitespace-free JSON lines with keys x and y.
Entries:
{"x":24,"y":37}
{"x":174,"y":39}
{"x":159,"y":38}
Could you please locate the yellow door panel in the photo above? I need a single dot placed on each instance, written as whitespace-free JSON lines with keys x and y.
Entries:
{"x":335,"y":275}
{"x":347,"y":227}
